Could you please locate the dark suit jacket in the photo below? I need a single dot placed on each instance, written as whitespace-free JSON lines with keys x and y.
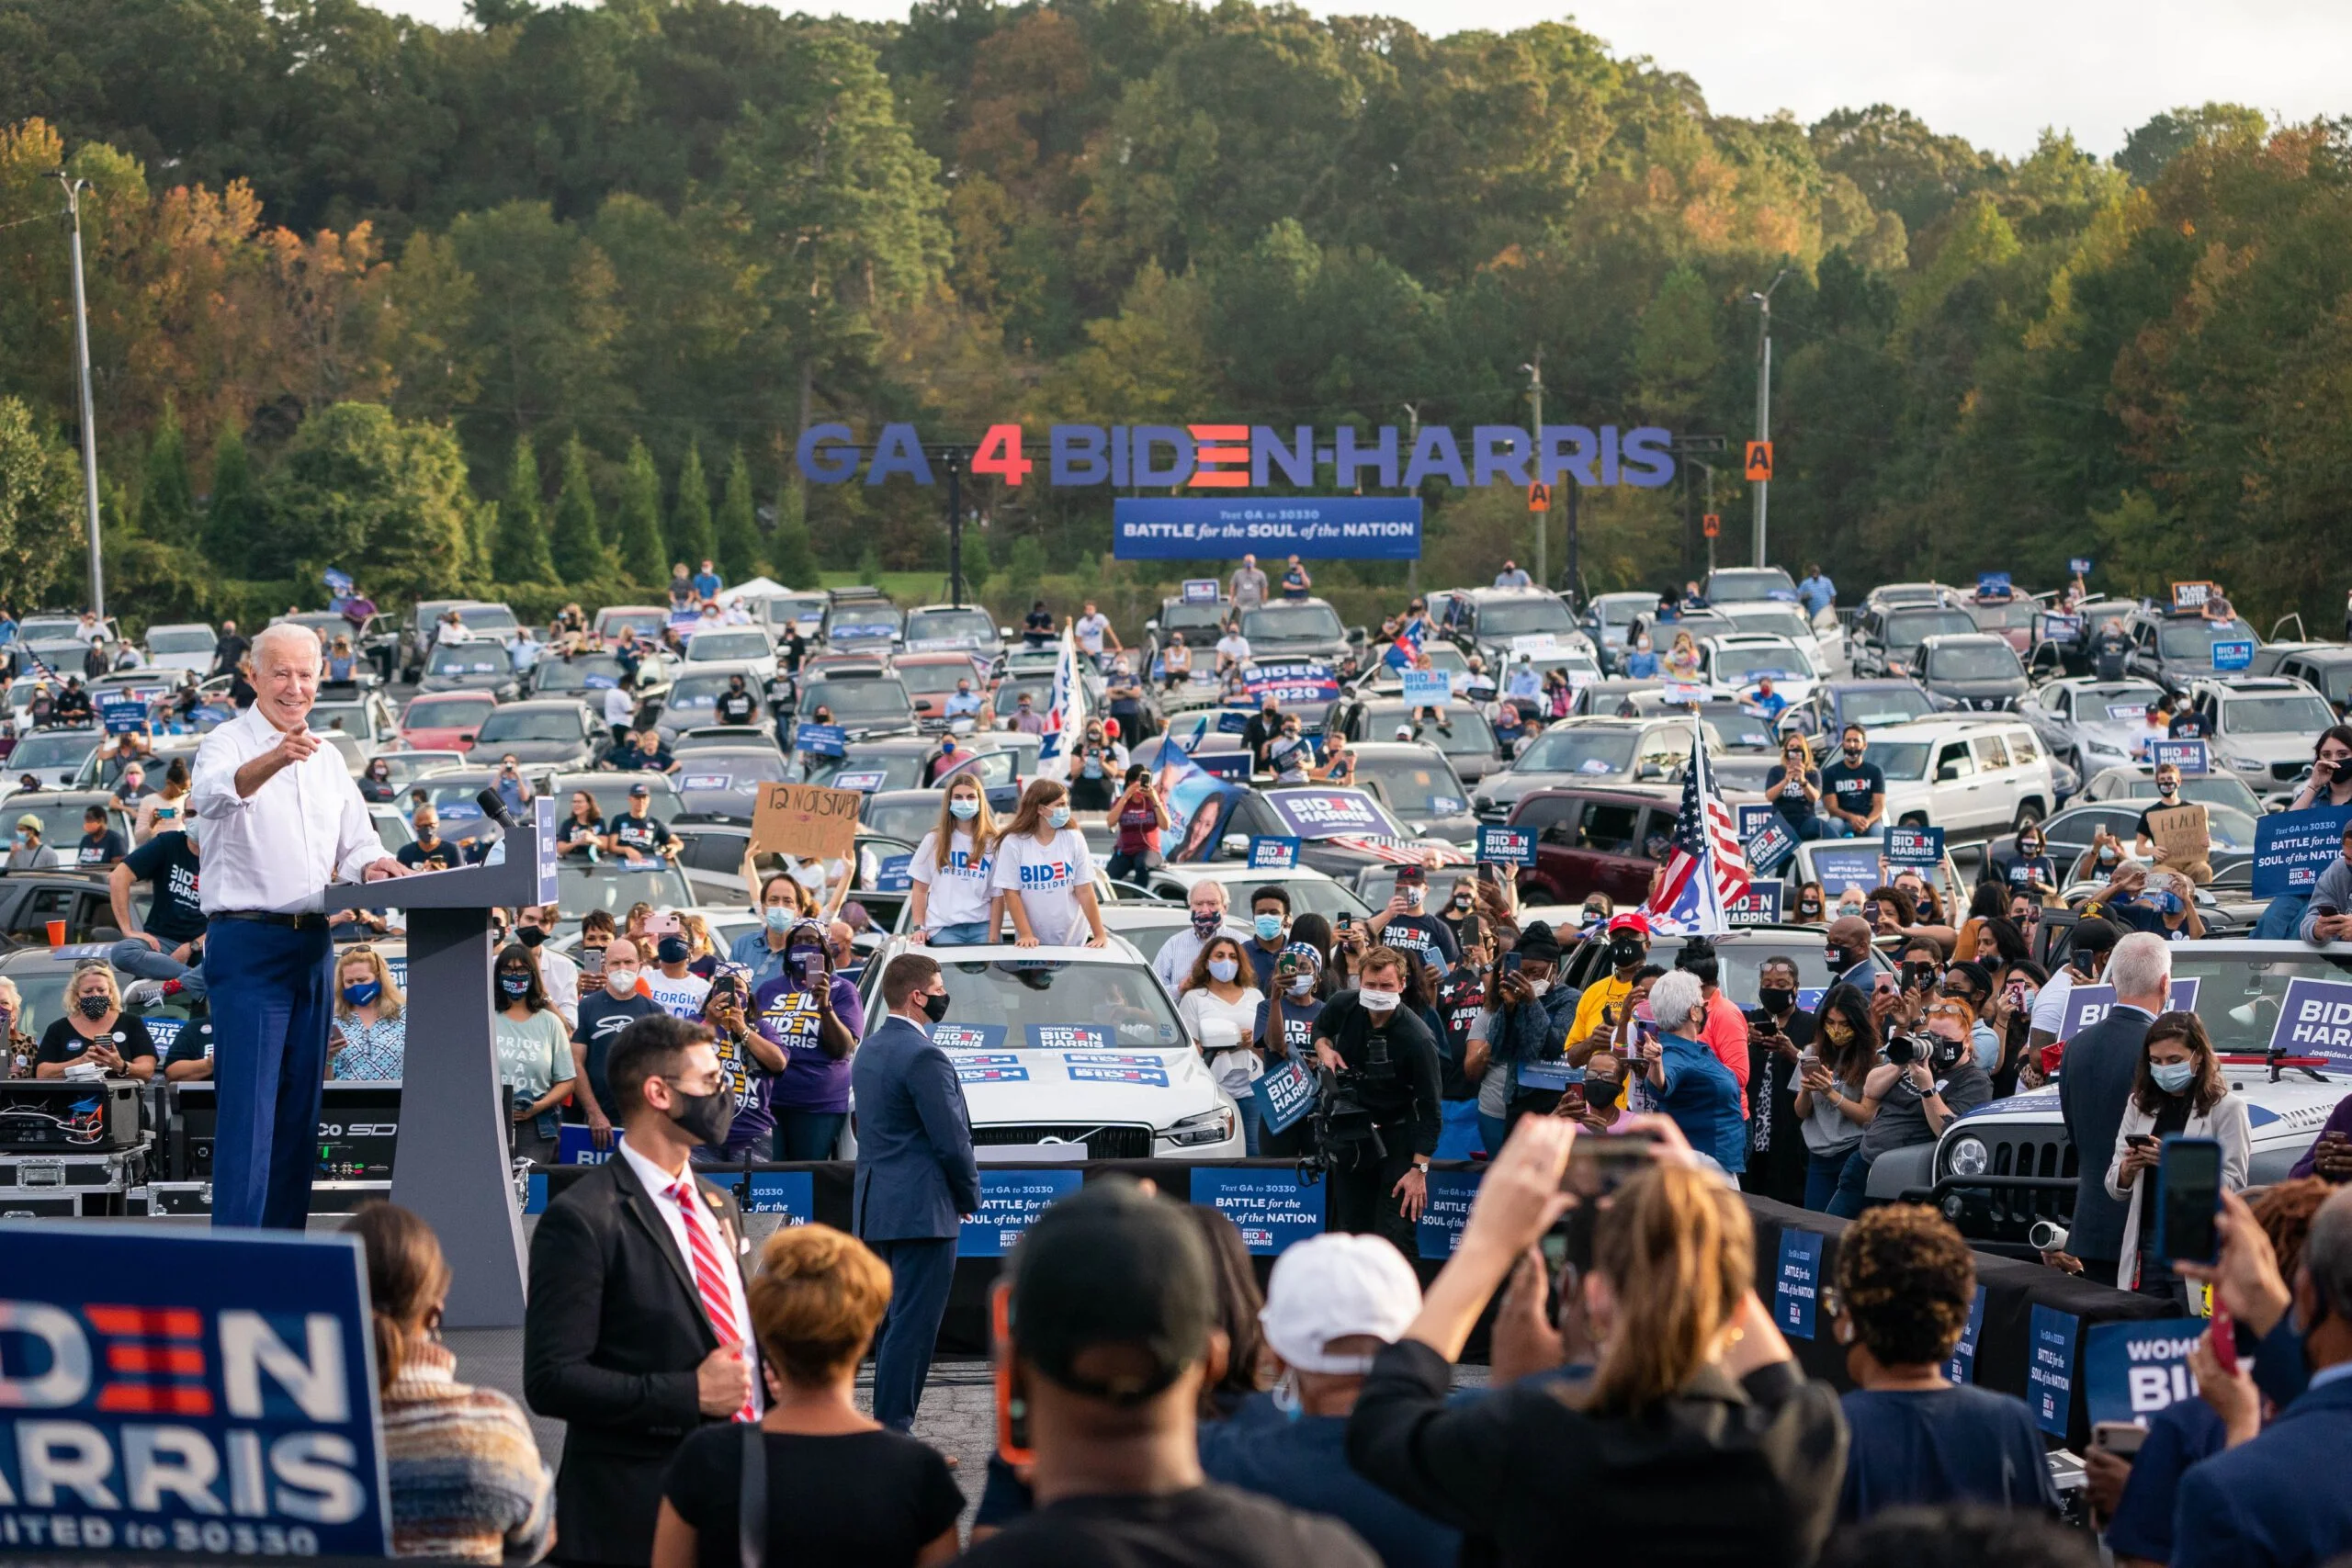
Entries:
{"x":2094,"y":1084}
{"x":2276,"y":1501}
{"x":915,"y":1172}
{"x":611,"y":1339}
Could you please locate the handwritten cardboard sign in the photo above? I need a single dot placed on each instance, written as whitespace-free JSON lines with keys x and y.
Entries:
{"x":805,"y":822}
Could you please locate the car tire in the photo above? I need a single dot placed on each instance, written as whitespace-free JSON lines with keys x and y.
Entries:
{"x":2029,"y":811}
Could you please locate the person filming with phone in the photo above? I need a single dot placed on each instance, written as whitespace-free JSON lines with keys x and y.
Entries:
{"x":1929,"y":1080}
{"x":1385,"y":1059}
{"x":2178,"y":1091}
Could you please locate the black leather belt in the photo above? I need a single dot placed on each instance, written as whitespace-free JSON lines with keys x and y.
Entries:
{"x":267,"y":918}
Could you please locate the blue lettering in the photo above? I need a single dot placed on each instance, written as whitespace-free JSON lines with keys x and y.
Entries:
{"x":1649,"y":457}
{"x":1435,"y":453}
{"x":1266,"y":450}
{"x":1348,"y":458}
{"x":1498,"y":449}
{"x":1576,"y":461}
{"x":899,"y":452}
{"x":1609,"y":454}
{"x":1147,"y":436}
{"x":1119,"y":456}
{"x":1078,"y":455}
{"x":816,"y":458}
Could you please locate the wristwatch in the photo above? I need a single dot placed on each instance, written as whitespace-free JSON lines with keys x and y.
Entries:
{"x":1421,"y":1164}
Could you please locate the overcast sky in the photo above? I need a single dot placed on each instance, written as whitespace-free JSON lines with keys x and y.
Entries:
{"x":1993,"y":71}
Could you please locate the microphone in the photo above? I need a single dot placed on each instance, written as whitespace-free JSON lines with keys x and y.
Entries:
{"x":493,"y":805}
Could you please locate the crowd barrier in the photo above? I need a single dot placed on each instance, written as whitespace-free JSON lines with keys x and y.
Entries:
{"x":2025,"y":1339}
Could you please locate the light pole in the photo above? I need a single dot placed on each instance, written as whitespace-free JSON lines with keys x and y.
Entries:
{"x":1542,"y":519}
{"x":1412,"y":413}
{"x":73,"y":189}
{"x":1764,"y":396}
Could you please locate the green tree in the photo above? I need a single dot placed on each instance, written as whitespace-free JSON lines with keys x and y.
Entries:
{"x":2149,"y":149}
{"x":738,"y":528}
{"x":1674,"y":349}
{"x":233,"y":511}
{"x":519,"y":550}
{"x":794,"y":560}
{"x":386,"y":501}
{"x":168,"y":492}
{"x":690,"y":535}
{"x":578,"y":542}
{"x":41,"y":500}
{"x":640,"y":518}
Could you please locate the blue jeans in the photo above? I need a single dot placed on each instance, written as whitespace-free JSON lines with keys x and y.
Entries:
{"x":1853,"y":1182}
{"x":971,"y":933}
{"x":2283,"y":920}
{"x":1492,"y":1132}
{"x":133,"y":957}
{"x":920,"y":1272}
{"x":1253,"y":1124}
{"x":808,"y":1134}
{"x":270,"y":987}
{"x":1821,"y":1173}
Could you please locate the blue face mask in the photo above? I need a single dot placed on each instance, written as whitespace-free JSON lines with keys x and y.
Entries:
{"x":1268,"y":926}
{"x":2172,"y":1077}
{"x":963,"y":808}
{"x":366,"y":991}
{"x":778,"y":919}
{"x":1057,"y":817}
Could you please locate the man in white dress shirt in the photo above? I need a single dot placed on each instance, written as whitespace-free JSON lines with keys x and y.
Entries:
{"x":282,"y":818}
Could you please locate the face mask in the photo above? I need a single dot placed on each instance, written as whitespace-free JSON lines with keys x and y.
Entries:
{"x":2167,"y":789}
{"x":1378,"y":1001}
{"x":513,"y":985}
{"x":963,"y":808}
{"x":2028,"y":848}
{"x":1223,"y":970}
{"x":360,"y":995}
{"x":620,"y":982}
{"x":1851,"y":753}
{"x":23,"y":840}
{"x":1775,"y":998}
{"x":706,"y":1116}
{"x":1302,"y":985}
{"x":778,"y":919}
{"x":1537,"y":987}
{"x":1837,"y":958}
{"x":529,"y":936}
{"x":671,"y":949}
{"x":1205,"y":926}
{"x":934,"y":1007}
{"x":1808,"y":907}
{"x":93,"y":1007}
{"x":1268,"y":926}
{"x":1624,"y":952}
{"x":1461,"y":900}
{"x":2172,"y":1077}
{"x":2106,"y":856}
{"x":1057,"y":817}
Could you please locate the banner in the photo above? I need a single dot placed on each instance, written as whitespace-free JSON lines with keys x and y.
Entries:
{"x":2314,"y":1020}
{"x":1354,"y":527}
{"x":1920,"y":848}
{"x":1796,"y":1288}
{"x":123,"y":718}
{"x":1272,"y":1207}
{"x":1961,"y":1368}
{"x":1427,"y":688}
{"x":199,"y":1392}
{"x":1446,"y":1210}
{"x":1993,"y":585}
{"x":1759,"y":906}
{"x":2086,"y":1005}
{"x":1010,"y":1200}
{"x":1298,"y":682}
{"x":820,"y":740}
{"x":791,"y":1193}
{"x":1269,"y":853}
{"x":2049,"y":1368}
{"x":2291,"y":848}
{"x":1506,"y":846}
{"x":2233,"y":652}
{"x":1200,"y":590}
{"x":2188,"y":756}
{"x":2130,"y":1371}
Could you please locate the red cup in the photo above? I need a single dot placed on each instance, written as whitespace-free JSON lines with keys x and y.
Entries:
{"x":57,"y":933}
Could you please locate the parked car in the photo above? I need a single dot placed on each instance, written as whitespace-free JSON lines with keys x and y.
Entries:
{"x":376,"y":638}
{"x":1608,"y":623}
{"x":946,"y":629}
{"x":1731,"y":666}
{"x":731,"y":645}
{"x":1887,"y":638}
{"x":478,"y":666}
{"x":2174,"y":650}
{"x":1594,"y":839}
{"x":860,"y":619}
{"x":1419,"y":787}
{"x":615,"y":622}
{"x":444,"y":721}
{"x":1833,"y":705}
{"x":1971,"y":777}
{"x":1583,"y":752}
{"x":54,"y":757}
{"x":183,"y":645}
{"x":1499,"y":622}
{"x":692,"y":700}
{"x":2261,"y":728}
{"x":2327,"y":669}
{"x":1471,"y":750}
{"x":725,"y":781}
{"x":2093,"y":724}
{"x":482,"y":619}
{"x":1740,"y":584}
{"x":557,"y":732}
{"x":1823,"y":640}
{"x":930,"y":679}
{"x":1973,"y":672}
{"x":865,"y":705}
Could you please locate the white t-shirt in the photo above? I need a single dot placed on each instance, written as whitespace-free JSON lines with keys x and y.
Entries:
{"x":1233,"y":1065}
{"x":620,"y":706}
{"x":1089,"y":629}
{"x":1234,"y":645}
{"x":959,"y":890}
{"x":2049,"y":1006}
{"x":1047,"y":878}
{"x":681,"y":998}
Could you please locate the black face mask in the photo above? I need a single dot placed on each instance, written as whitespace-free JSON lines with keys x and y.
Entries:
{"x":1775,"y":998}
{"x":529,"y":936}
{"x":706,"y":1116}
{"x":1839,"y":959}
{"x":1809,"y":907}
{"x":514,"y":987}
{"x":1624,"y":952}
{"x":934,"y":1007}
{"x":670,"y":950}
{"x":94,"y":1007}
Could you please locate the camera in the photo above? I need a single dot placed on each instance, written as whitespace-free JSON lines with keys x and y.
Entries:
{"x":2047,"y":1235}
{"x":1940,"y":1055}
{"x":1341,"y":1126}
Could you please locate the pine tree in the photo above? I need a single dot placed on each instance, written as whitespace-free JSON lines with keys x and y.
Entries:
{"x":519,"y":550}
{"x":739,"y":530}
{"x":168,"y":495}
{"x":640,"y":518}
{"x":794,"y":560}
{"x":234,"y":509}
{"x":690,"y":539}
{"x":577,"y":546}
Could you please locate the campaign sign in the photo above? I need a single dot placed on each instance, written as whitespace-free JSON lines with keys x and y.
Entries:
{"x":1771,"y":846}
{"x":1506,"y":846}
{"x":1320,"y":813}
{"x":1809,"y":997}
{"x":1439,"y":1230}
{"x":1317,"y":527}
{"x":2130,"y":1371}
{"x":1427,"y":688}
{"x":791,"y":1193}
{"x":2233,"y":652}
{"x":968,"y":1036}
{"x":896,"y":875}
{"x":1553,"y":1076}
{"x":1292,"y":683}
{"x":2314,"y":1020}
{"x":2291,"y":848}
{"x":1759,"y":906}
{"x":1839,"y":866}
{"x":1271,"y":1208}
{"x":1200,"y":590}
{"x":1284,"y":1094}
{"x":1010,"y":1200}
{"x":1230,"y":723}
{"x":1224,"y":764}
{"x":2079,"y":565}
{"x":1961,"y":1368}
{"x":1752,"y":819}
{"x":1111,"y":1066}
{"x":2086,"y":1005}
{"x":1921,"y":849}
{"x":866,"y":780}
{"x":1993,"y":585}
{"x":820,"y":739}
{"x":2049,"y":1368}
{"x":989,"y":1067}
{"x":1796,"y":1288}
{"x":188,"y":1391}
{"x":2062,"y":628}
{"x":1269,"y":853}
{"x":2188,"y":756}
{"x":576,"y":1145}
{"x":123,"y":718}
{"x":1071,"y":1037}
{"x":2191,"y":595}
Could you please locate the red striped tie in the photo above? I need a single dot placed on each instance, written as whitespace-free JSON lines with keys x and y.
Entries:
{"x":710,"y":1279}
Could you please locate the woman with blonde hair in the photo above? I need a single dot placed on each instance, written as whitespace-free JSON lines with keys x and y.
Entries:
{"x":1045,"y":873}
{"x":18,"y":1047}
{"x":370,"y":1018}
{"x":95,"y":1030}
{"x":1682,"y":661}
{"x":840,"y":1487}
{"x":949,"y":902}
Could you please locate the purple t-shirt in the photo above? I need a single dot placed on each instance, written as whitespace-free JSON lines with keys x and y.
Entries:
{"x":787,"y":1013}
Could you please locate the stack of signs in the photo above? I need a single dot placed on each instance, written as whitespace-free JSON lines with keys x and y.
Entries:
{"x":1993,"y":586}
{"x":2291,"y":848}
{"x":2130,"y":1371}
{"x":1427,"y":688}
{"x":1200,"y":590}
{"x":1920,"y":848}
{"x":1271,"y":1208}
{"x":820,"y":739}
{"x":2188,"y":756}
{"x":1506,"y":846}
{"x":2086,"y":1005}
{"x":2314,"y":1020}
{"x":1269,"y":853}
{"x":2233,"y":652}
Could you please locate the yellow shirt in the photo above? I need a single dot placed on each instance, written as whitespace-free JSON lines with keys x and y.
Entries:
{"x":1609,"y":991}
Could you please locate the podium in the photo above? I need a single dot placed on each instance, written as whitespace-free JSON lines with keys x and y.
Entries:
{"x":453,"y":1165}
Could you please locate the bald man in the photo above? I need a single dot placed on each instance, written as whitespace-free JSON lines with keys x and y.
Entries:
{"x":1846,"y":946}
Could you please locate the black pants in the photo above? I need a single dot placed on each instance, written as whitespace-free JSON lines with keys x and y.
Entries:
{"x":1363,"y":1198}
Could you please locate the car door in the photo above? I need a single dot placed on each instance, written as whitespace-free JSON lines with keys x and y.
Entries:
{"x":1561,"y":863}
{"x":1996,"y":800}
{"x":1952,"y":787}
{"x":1610,"y":837}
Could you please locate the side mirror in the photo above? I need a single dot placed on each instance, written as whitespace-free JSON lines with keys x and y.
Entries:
{"x":1948,"y":773}
{"x":1650,"y":771}
{"x":465,"y":740}
{"x":1151,"y":626}
{"x":1236,"y":845}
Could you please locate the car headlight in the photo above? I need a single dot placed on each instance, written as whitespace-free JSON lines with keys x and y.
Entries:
{"x":1971,"y":1157}
{"x":2246,"y":764}
{"x":2101,"y":748}
{"x":1212,"y":1126}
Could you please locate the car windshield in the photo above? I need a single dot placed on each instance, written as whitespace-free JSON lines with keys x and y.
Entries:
{"x":1038,"y":689}
{"x":1728,"y":587}
{"x":1580,"y":749}
{"x":171,"y":640}
{"x":795,"y":610}
{"x":1471,"y":737}
{"x":1886,"y":705}
{"x":1911,"y":628}
{"x":2213,"y":789}
{"x":733,"y":770}
{"x":403,"y":767}
{"x":1774,"y":621}
{"x":52,"y":748}
{"x":1743,"y":662}
{"x":2333,"y":680}
{"x":464,"y":713}
{"x":1738,"y":727}
{"x":899,"y":769}
{"x":2238,"y":998}
{"x":1523,"y":618}
{"x":2288,"y":712}
{"x":61,"y":823}
{"x":488,"y":617}
{"x":527,"y":724}
{"x":469,"y":658}
{"x":867,"y":618}
{"x":349,"y":717}
{"x":2187,"y":639}
{"x":1975,"y":661}
{"x":1622,"y":611}
{"x":950,"y":625}
{"x":705,"y":647}
{"x":1900,"y":758}
{"x":1018,"y":994}
{"x":1738,"y":963}
{"x":857,"y":699}
{"x":2115,"y":704}
{"x":579,"y":673}
{"x":1418,"y":789}
{"x":697,"y":693}
{"x":613,"y":888}
{"x":908,"y":817}
{"x":1191,"y":619}
{"x":1292,"y":623}
{"x":931,"y":680}
{"x":610,"y":792}
{"x":47,"y":628}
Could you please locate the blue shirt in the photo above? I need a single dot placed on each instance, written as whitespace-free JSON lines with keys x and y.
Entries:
{"x":962,"y":702}
{"x":2179,"y":1435}
{"x":1703,"y":1099}
{"x":1641,"y":664}
{"x":752,"y":953}
{"x":1770,"y":705}
{"x":1922,"y":1448}
{"x":1304,"y":1462}
{"x":706,"y":585}
{"x":1817,"y":593}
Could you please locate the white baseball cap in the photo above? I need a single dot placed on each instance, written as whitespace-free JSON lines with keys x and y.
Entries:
{"x":1333,"y":1286}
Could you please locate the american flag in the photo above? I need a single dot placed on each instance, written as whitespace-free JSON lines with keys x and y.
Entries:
{"x":1066,"y":716}
{"x":1708,"y":869}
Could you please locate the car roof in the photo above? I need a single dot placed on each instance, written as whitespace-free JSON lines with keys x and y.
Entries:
{"x":533,"y":704}
{"x":431,"y":698}
{"x":1650,"y":794}
{"x":1391,"y":751}
{"x":930,"y":656}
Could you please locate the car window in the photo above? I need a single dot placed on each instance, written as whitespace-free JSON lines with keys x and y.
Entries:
{"x":1990,"y":751}
{"x":2287,"y":713}
{"x":1551,"y":821}
{"x":2023,"y":749}
{"x":1020,"y":994}
{"x":1954,"y":760}
{"x":1612,"y":830}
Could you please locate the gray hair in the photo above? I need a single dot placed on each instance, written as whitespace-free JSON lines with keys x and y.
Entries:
{"x":284,"y":631}
{"x":2327,"y":1252}
{"x":2141,"y":966}
{"x":1675,"y":999}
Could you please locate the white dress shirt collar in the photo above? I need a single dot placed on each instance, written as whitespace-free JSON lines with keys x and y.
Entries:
{"x":657,"y":1183}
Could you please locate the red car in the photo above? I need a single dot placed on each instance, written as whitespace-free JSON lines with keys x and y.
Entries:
{"x":444,"y":721}
{"x":1597,"y":839}
{"x":930,"y":679}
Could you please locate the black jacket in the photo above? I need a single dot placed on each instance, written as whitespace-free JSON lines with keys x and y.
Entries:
{"x":1410,"y":1097}
{"x":611,"y":1339}
{"x":2094,"y":1085}
{"x":1723,"y":1473}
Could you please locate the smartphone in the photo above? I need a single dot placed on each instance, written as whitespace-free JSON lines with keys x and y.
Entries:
{"x":2139,"y":1140}
{"x":1603,"y":1162}
{"x":2189,"y":1200}
{"x":1346,"y":920}
{"x":592,"y":959}
{"x":2225,"y":1336}
{"x":1883,"y":981}
{"x":1011,"y":1409}
{"x":1510,"y":962}
{"x":2121,"y":1438}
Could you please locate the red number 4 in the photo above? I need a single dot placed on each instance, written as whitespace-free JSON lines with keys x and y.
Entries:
{"x":1000,"y":454}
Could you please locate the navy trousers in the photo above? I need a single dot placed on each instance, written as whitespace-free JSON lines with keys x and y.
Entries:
{"x":920,"y":1274}
{"x":270,"y":988}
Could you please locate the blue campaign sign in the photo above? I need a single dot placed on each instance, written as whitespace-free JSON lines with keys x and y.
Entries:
{"x":1200,"y":590}
{"x":1284,"y":1094}
{"x":1553,"y":1074}
{"x":1438,"y":1231}
{"x":1506,"y":846}
{"x":1809,"y":997}
{"x":1771,"y":848}
{"x":895,"y":876}
{"x":1072,"y":1037}
{"x":2086,"y":1005}
{"x":2130,"y":1371}
{"x":866,"y":780}
{"x":1225,"y":764}
{"x":201,"y":1392}
{"x":989,"y":1067}
{"x":122,"y":718}
{"x":1230,"y":723}
{"x":1961,"y":1368}
{"x":1114,"y":1066}
{"x":1317,"y":527}
{"x":792,"y":1193}
{"x":2061,"y":629}
{"x":1272,"y":1207}
{"x":1921,"y":848}
{"x":1427,"y":688}
{"x":820,"y":739}
{"x":1839,"y":866}
{"x":1759,"y":906}
{"x":574,"y":1145}
{"x":1010,"y":1200}
{"x":1993,"y":585}
{"x":1268,"y":853}
{"x":2232,"y":653}
{"x":2314,"y":1020}
{"x":1796,"y":1288}
{"x":1752,"y":819}
{"x":968,"y":1036}
{"x":2079,"y":565}
{"x":2188,"y":756}
{"x":2049,"y":1368}
{"x":2291,"y":848}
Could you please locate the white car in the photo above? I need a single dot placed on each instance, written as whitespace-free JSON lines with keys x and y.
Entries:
{"x":733,"y":645}
{"x":2261,"y":728}
{"x":184,"y":646}
{"x":1071,"y":1045}
{"x":1973,"y":777}
{"x":1823,"y":640}
{"x":1732,"y":665}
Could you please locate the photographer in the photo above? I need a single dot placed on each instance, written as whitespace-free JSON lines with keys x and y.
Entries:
{"x":1531,"y":1020}
{"x":1928,"y":1080}
{"x":1387,"y":1064}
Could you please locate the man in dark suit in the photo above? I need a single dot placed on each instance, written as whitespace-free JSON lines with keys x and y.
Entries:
{"x":638,"y":1329}
{"x":2095,"y":1080}
{"x":915,"y":1179}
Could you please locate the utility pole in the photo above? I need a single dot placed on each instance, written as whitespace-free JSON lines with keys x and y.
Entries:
{"x":1575,"y":569}
{"x":1542,"y":519}
{"x":1764,"y":396}
{"x":954,"y":458}
{"x":1708,"y":505}
{"x":73,"y":189}
{"x":1412,"y":438}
